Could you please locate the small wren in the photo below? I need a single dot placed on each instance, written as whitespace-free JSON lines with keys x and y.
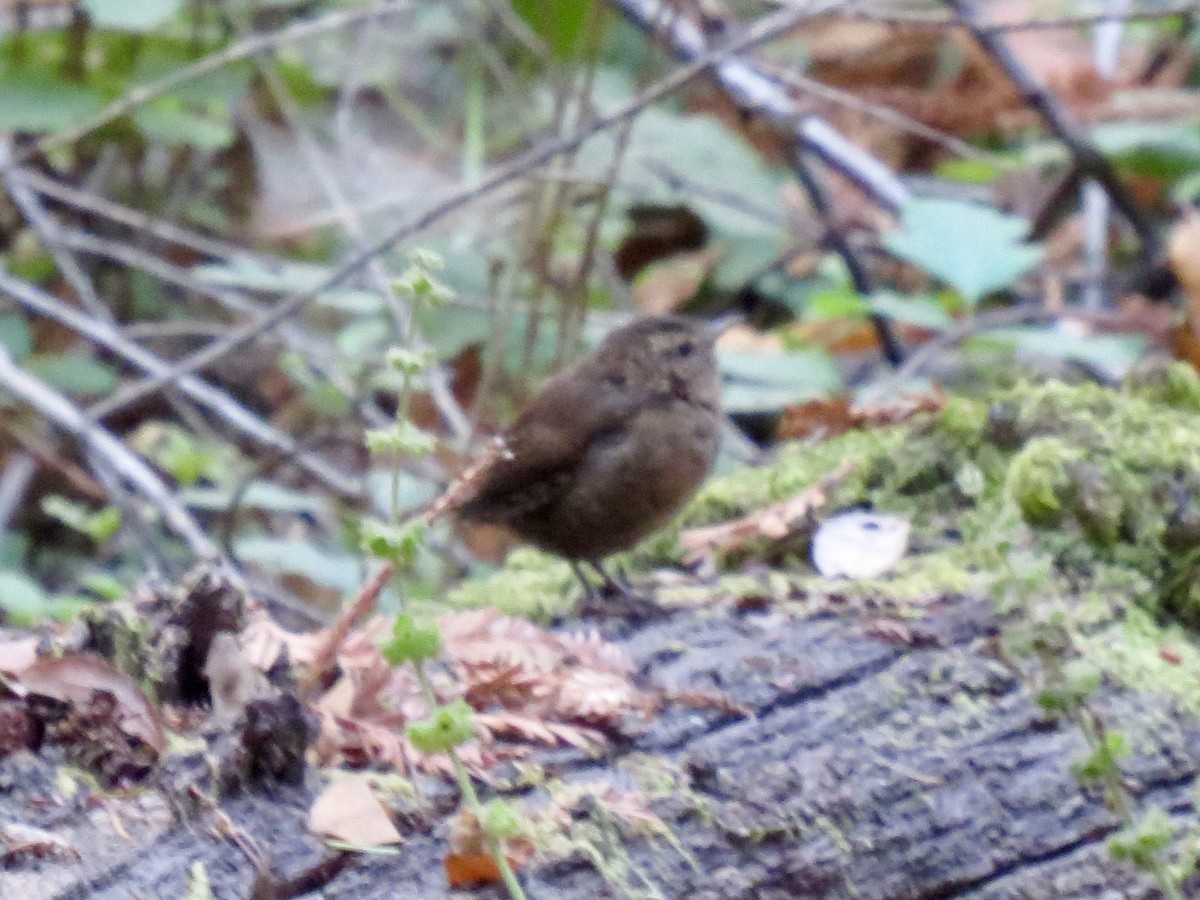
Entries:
{"x":610,"y":449}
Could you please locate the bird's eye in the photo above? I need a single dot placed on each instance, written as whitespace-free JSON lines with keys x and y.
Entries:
{"x":685,"y":349}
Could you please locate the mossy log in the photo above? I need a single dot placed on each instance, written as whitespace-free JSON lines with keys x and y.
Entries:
{"x":906,"y":762}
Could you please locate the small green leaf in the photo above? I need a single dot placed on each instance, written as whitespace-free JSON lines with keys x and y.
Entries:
{"x":16,"y":337}
{"x":450,"y":726}
{"x":34,"y":101}
{"x":968,"y":171}
{"x":500,"y":820}
{"x":131,"y":15}
{"x":169,"y":123}
{"x":973,"y":248}
{"x":924,"y":312}
{"x":99,"y":525}
{"x":758,"y":382}
{"x":404,"y":438}
{"x":561,"y":24}
{"x":73,"y":372}
{"x":410,"y":643}
{"x":399,"y":543}
{"x":22,"y":599}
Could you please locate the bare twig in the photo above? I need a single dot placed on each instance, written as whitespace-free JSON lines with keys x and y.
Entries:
{"x":335,"y":636}
{"x":764,"y":30}
{"x":837,"y":240}
{"x":761,"y":95}
{"x":217,"y":401}
{"x":70,"y":418}
{"x":917,"y":19}
{"x":49,"y":233}
{"x":14,"y":482}
{"x":137,"y":220}
{"x":1086,"y":156}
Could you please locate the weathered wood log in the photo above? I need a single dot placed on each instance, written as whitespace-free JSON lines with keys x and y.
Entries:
{"x":871,"y":768}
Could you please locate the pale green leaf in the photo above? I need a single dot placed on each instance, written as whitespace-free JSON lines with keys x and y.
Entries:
{"x":973,"y":248}
{"x":16,"y":337}
{"x":32,"y":101}
{"x":763,"y":382}
{"x":73,"y":372}
{"x":131,"y":15}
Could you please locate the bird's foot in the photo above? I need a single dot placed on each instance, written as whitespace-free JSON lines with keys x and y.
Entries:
{"x":615,"y":598}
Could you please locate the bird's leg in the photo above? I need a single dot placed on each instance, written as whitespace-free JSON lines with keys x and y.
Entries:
{"x":618,"y":586}
{"x":589,"y":589}
{"x":618,"y":599}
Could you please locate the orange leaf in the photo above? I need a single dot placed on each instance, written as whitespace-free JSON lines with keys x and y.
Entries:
{"x":464,"y":869}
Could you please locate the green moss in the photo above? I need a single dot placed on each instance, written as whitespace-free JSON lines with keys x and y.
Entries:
{"x":1139,"y":652}
{"x":532,"y":584}
{"x":1109,"y":480}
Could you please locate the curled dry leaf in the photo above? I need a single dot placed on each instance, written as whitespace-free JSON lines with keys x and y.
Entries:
{"x":469,"y":861}
{"x":531,"y":688}
{"x":775,"y":522}
{"x":76,"y":677}
{"x":348,"y":810}
{"x":465,"y":485}
{"x":827,"y":417}
{"x":232,"y":680}
{"x":24,"y":842}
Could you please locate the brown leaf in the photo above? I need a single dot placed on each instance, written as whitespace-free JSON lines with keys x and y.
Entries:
{"x":232,"y":680}
{"x":24,"y":842}
{"x":816,"y":419}
{"x":75,"y":677}
{"x":828,"y":417}
{"x":774,"y":522}
{"x":469,"y":861}
{"x":348,"y":810}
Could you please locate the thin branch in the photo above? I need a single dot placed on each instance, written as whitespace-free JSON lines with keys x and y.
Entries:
{"x":764,"y":30}
{"x":1086,"y":156}
{"x":1086,"y":20}
{"x":216,"y":401}
{"x":14,"y":482}
{"x":50,"y":235}
{"x":757,"y":94}
{"x":70,"y":418}
{"x":137,"y":220}
{"x":314,"y":349}
{"x":882,"y":113}
{"x":837,"y":240}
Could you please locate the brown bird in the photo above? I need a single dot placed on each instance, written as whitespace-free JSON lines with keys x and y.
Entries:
{"x":610,"y":449}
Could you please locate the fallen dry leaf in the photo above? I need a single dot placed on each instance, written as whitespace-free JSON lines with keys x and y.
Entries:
{"x":774,"y":522}
{"x":24,"y":842}
{"x":827,"y":417}
{"x":532,"y":689}
{"x":348,"y":810}
{"x":469,"y":861}
{"x":232,"y":680}
{"x":1183,"y":254}
{"x":76,"y":677}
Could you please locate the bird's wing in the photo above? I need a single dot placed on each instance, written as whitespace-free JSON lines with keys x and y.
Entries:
{"x":545,"y":446}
